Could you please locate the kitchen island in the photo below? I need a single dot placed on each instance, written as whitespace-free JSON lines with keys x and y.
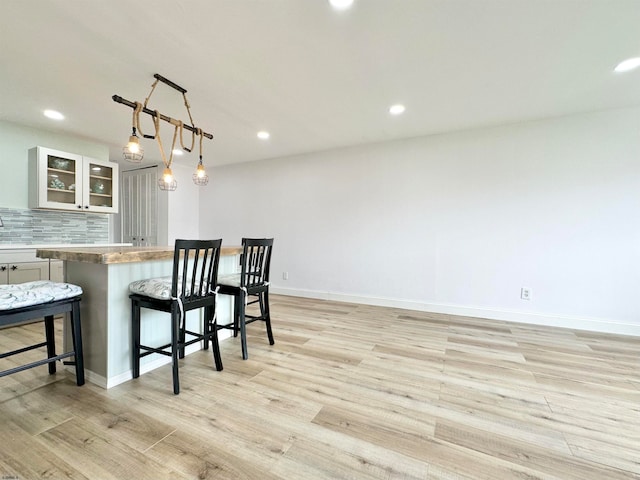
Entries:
{"x":104,"y":273}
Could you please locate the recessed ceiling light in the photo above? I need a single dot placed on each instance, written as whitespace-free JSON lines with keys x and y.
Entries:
{"x":397,"y":109}
{"x":627,"y":65}
{"x":341,"y":4}
{"x":262,"y":135}
{"x":178,"y":152}
{"x":53,"y":114}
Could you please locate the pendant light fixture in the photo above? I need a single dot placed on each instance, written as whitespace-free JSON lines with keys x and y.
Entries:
{"x":168,"y":181}
{"x":134,"y":152}
{"x":200,"y":178}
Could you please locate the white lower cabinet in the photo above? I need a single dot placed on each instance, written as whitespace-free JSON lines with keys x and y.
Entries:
{"x":21,"y":272}
{"x":20,"y":266}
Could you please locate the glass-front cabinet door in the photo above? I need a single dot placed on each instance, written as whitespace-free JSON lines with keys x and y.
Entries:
{"x":101,"y":186}
{"x":62,"y":179}
{"x":58,"y":180}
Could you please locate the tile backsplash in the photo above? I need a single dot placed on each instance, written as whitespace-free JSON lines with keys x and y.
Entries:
{"x":22,"y":226}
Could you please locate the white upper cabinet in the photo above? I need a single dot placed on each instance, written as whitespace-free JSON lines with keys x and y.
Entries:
{"x":66,"y":181}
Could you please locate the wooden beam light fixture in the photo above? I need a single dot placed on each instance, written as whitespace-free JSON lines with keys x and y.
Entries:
{"x":134,"y":152}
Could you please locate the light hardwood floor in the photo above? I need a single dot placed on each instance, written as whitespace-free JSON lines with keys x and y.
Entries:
{"x":347,"y":392}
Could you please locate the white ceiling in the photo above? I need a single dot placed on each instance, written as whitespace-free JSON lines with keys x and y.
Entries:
{"x":315,"y":78}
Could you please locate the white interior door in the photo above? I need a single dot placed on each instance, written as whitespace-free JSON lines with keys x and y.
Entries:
{"x":139,"y":206}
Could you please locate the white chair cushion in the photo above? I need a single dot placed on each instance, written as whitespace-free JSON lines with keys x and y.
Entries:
{"x":34,"y":293}
{"x":233,"y":280}
{"x":159,"y":287}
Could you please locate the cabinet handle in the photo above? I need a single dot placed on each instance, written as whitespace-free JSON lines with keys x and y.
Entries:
{"x":79,"y":206}
{"x":86,"y":206}
{"x":14,"y":267}
{"x":3,"y":268}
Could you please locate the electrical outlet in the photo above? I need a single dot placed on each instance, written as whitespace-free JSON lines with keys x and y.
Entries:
{"x":285,"y":275}
{"x":525,"y":293}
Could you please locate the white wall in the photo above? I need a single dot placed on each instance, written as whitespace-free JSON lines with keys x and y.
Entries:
{"x":182,"y":206}
{"x":456,"y":223}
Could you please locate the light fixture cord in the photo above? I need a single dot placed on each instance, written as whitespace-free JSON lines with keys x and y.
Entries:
{"x":193,"y":137}
{"x":153,"y":87}
{"x":178,"y":124}
{"x":139,"y":107}
{"x":186,"y":104}
{"x":193,"y":133}
{"x":156,"y":123}
{"x":136,"y":118}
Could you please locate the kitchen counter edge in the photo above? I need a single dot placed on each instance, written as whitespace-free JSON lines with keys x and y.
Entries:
{"x":110,"y":255}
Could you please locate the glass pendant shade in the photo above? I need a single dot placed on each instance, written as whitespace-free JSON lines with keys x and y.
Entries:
{"x":167,"y":182}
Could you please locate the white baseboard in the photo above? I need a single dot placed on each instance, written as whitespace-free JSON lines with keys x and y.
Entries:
{"x":89,"y":376}
{"x":551,"y":320}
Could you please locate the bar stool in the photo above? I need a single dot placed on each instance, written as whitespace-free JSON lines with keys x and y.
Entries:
{"x":252,"y":281}
{"x":43,"y":299}
{"x":193,"y":285}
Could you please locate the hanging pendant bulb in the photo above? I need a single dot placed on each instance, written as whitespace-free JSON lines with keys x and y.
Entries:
{"x":134,"y":144}
{"x":133,"y":151}
{"x":200,"y":177}
{"x":167,"y":182}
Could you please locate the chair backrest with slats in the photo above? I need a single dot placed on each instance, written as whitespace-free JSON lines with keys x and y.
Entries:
{"x":195,"y":268}
{"x":255,"y":261}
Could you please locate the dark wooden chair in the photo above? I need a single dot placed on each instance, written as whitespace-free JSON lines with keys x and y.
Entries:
{"x":44,"y":300}
{"x":249,"y":286}
{"x":193,"y":285}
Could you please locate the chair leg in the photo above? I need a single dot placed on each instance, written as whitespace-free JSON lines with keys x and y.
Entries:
{"x":182,"y":327}
{"x":135,"y":338}
{"x":76,"y":335}
{"x":241,"y":319}
{"x":211,"y":334}
{"x":267,"y":315}
{"x":236,"y":314}
{"x":261,"y":302}
{"x":216,"y":347}
{"x":51,"y":342}
{"x":206,"y":328}
{"x":175,"y":346}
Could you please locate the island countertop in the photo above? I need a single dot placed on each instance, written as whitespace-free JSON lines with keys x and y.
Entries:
{"x":106,"y":255}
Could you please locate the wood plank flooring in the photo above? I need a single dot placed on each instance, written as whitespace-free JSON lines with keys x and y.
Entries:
{"x":347,"y":392}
